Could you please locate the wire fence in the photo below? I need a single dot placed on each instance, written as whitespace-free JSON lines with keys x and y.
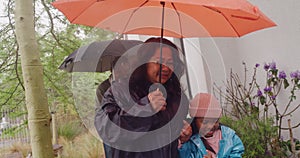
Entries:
{"x":13,"y":127}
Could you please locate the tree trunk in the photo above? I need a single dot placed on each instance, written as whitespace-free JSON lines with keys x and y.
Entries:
{"x":36,"y":98}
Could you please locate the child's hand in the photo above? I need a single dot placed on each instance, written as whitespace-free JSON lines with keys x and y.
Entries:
{"x":186,"y":132}
{"x":179,"y":144}
{"x":209,"y":154}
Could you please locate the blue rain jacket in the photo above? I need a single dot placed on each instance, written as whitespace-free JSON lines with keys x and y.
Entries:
{"x":231,"y":146}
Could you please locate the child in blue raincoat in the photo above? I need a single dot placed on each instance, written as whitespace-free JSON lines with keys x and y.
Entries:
{"x":210,"y":139}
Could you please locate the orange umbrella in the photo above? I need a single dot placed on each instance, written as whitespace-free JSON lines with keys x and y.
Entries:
{"x":173,"y":18}
{"x":183,"y":18}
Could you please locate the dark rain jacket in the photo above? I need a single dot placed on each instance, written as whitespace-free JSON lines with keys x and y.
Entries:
{"x":128,"y":124}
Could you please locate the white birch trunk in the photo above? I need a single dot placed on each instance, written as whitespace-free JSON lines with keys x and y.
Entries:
{"x":35,"y":95}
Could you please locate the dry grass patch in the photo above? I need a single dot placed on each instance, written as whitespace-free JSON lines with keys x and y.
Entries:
{"x":83,"y":146}
{"x":18,"y":149}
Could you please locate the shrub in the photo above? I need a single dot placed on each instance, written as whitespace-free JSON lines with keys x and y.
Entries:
{"x":256,"y":109}
{"x":70,"y":129}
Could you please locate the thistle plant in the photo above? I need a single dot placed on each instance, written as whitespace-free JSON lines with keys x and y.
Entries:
{"x":257,"y":110}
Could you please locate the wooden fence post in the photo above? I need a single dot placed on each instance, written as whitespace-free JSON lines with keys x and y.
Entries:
{"x":293,"y":149}
{"x":56,"y":147}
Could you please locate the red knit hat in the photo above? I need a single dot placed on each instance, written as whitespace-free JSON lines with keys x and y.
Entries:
{"x":205,"y":105}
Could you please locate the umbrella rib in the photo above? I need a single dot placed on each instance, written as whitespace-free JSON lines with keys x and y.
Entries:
{"x":179,"y":19}
{"x":216,"y":10}
{"x":183,"y":50}
{"x":132,"y":15}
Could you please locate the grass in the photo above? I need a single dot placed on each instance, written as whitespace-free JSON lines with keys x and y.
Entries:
{"x":77,"y":141}
{"x":69,"y":130}
{"x":83,"y":146}
{"x":17,"y":149}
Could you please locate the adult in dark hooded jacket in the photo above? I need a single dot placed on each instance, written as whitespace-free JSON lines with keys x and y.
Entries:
{"x":141,"y":116}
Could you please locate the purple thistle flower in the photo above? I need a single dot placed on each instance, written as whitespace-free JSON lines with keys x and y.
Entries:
{"x":267,"y":89}
{"x":282,"y":75}
{"x":298,"y":74}
{"x":295,"y":75}
{"x":259,"y":93}
{"x":273,"y":97}
{"x":266,"y":66}
{"x":272,"y":65}
{"x":256,"y":65}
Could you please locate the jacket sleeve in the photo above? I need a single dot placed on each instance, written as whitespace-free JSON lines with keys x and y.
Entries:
{"x":120,"y":119}
{"x":190,"y":150}
{"x":185,"y":150}
{"x":238,"y":147}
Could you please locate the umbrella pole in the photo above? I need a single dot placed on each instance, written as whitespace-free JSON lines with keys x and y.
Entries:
{"x":186,"y":68}
{"x":161,"y":38}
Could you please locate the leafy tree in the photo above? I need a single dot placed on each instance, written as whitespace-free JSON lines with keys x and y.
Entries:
{"x":56,"y":38}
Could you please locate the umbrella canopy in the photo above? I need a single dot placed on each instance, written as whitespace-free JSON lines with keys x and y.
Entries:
{"x":97,"y":56}
{"x":193,"y":18}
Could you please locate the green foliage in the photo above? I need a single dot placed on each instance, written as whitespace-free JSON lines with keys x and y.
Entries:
{"x":70,"y":129}
{"x":287,"y":146}
{"x":57,"y":38}
{"x":11,"y":91}
{"x":257,"y":110}
{"x":254,"y":133}
{"x":14,"y":131}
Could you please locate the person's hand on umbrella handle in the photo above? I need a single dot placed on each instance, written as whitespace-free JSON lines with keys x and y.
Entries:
{"x":157,"y":100}
{"x":186,"y":132}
